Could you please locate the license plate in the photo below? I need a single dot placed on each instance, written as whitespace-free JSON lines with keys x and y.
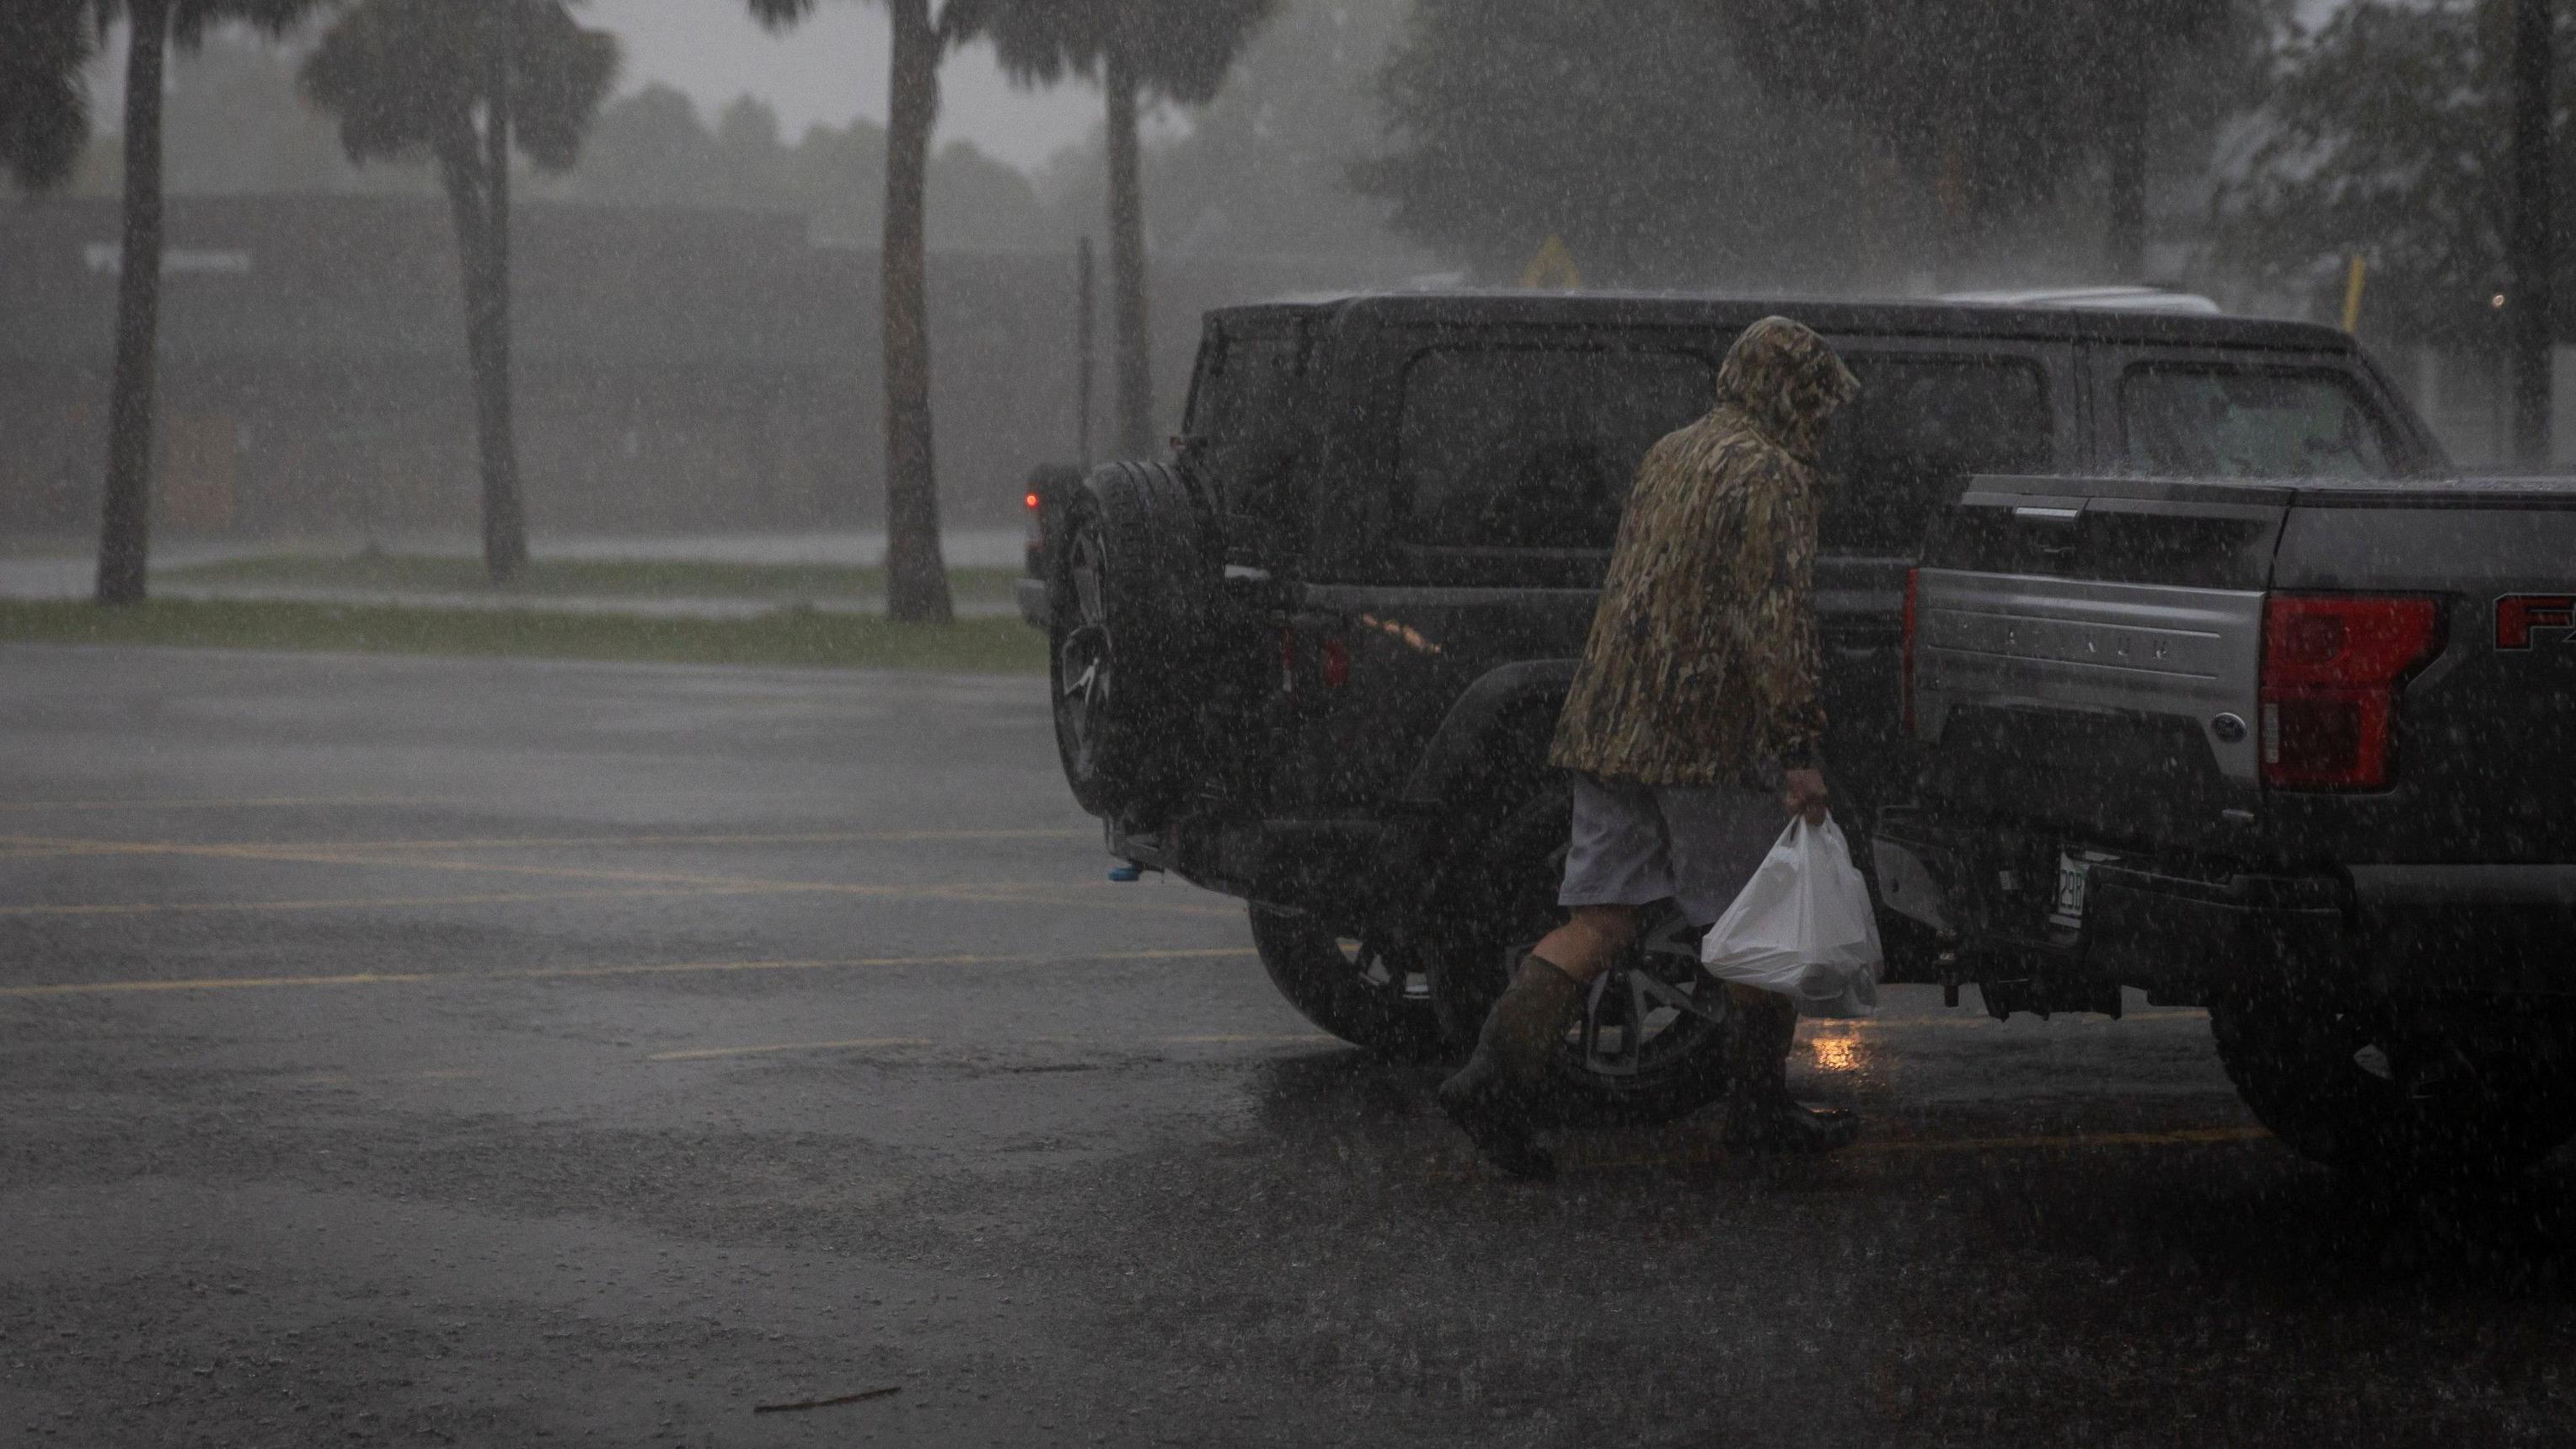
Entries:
{"x":2074,"y":872}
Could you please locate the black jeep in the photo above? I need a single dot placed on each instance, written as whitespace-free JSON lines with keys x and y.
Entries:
{"x":1315,"y":659}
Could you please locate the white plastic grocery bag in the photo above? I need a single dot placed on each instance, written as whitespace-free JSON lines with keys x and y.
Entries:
{"x":1803,"y":927}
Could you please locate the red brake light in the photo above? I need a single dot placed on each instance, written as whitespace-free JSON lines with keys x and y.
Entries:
{"x":1905,"y":698}
{"x":2331,"y":667}
{"x":1337,"y":664}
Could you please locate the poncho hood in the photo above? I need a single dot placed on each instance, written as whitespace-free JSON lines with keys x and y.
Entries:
{"x":1787,"y":382}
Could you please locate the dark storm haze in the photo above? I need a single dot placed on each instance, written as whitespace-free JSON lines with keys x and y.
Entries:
{"x":1531,"y":722}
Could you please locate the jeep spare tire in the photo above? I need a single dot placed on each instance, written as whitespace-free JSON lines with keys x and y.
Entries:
{"x":1131,"y":609}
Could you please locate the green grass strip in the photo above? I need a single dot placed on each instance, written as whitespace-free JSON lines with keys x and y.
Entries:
{"x":799,"y":637}
{"x":557,"y":577}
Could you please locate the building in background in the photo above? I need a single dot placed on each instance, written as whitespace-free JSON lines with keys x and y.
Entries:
{"x":679,"y":370}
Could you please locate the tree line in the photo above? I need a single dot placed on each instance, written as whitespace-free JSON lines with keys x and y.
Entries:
{"x":471,"y":83}
{"x":1855,"y":144}
{"x":1823,"y":144}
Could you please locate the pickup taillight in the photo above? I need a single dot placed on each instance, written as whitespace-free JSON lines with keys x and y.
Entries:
{"x":2332,"y":666}
{"x":1905,"y":670}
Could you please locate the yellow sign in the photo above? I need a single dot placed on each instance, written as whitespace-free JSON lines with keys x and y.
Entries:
{"x":2352,"y":293}
{"x":1553,"y":267}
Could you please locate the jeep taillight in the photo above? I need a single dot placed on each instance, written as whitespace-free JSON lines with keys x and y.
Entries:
{"x":1905,"y":671}
{"x":2332,"y":664}
{"x":1337,"y":664}
{"x":1332,"y":660}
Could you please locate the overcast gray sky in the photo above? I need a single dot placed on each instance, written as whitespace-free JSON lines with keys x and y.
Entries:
{"x":832,"y":68}
{"x":829,"y":69}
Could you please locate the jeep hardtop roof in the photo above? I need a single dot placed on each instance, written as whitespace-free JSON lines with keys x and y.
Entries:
{"x":1367,"y":310}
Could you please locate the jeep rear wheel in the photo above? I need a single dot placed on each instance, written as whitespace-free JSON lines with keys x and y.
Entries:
{"x":1355,"y":989}
{"x":1651,"y":1040}
{"x":1131,"y":606}
{"x":2373,"y":1087}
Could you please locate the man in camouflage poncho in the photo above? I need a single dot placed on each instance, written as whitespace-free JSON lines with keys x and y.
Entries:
{"x":1693,"y":719}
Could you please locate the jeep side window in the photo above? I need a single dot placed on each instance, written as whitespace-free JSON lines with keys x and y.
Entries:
{"x":1532,"y":447}
{"x":1921,"y":427}
{"x":2216,"y":420}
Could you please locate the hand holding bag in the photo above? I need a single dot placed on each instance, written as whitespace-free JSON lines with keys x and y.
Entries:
{"x":1803,"y":927}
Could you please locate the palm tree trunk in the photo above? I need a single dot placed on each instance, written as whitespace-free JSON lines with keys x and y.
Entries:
{"x":916,"y":577}
{"x":124,"y":536}
{"x":505,"y":528}
{"x":461,"y":173}
{"x":1127,"y":261}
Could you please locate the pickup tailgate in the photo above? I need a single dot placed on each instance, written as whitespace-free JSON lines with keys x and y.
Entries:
{"x":2089,"y":659}
{"x":2485,"y":767}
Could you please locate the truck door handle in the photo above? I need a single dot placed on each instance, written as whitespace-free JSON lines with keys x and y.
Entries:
{"x":2051,"y":519}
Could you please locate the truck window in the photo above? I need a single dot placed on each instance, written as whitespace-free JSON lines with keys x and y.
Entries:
{"x":2213,"y":420}
{"x":1527,"y":448}
{"x":1919,"y":429}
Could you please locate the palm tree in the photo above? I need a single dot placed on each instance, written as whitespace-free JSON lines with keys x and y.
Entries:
{"x":44,"y":121}
{"x":1175,"y":50}
{"x":924,"y":32}
{"x":405,"y":76}
{"x":44,"y":110}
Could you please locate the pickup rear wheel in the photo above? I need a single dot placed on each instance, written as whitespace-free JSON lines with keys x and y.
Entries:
{"x":2378,"y":1088}
{"x":1650,"y":1042}
{"x":1357,"y":990}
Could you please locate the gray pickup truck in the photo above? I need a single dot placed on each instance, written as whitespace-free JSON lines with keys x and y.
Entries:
{"x":2303,"y":752}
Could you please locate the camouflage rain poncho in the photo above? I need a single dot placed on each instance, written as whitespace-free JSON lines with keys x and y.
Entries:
{"x":1702,"y":662}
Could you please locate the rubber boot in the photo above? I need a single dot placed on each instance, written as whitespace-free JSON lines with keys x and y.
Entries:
{"x":1492,"y":1097}
{"x":1763,"y":1118}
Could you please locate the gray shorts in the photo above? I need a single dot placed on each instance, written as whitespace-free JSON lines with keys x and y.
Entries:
{"x":1698,"y":844}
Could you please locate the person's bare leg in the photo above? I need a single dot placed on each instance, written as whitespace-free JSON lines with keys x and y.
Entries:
{"x":1589,"y":941}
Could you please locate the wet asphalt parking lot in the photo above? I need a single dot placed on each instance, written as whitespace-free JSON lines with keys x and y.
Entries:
{"x":501,"y":1053}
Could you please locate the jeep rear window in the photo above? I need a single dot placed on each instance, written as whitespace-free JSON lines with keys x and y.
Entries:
{"x":1920,"y":428}
{"x":1534,"y":447}
{"x":1243,"y":409}
{"x":2214,"y":420}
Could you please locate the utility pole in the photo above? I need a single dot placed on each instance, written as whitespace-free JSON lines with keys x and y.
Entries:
{"x":2128,"y":96}
{"x":1084,"y":351}
{"x":2534,"y":249}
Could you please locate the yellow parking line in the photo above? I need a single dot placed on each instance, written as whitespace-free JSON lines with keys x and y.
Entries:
{"x":863,"y":1043}
{"x":352,"y":903}
{"x":1241,"y":1039}
{"x":1859,"y":1030}
{"x":71,"y":846}
{"x":547,"y":973}
{"x":1001,"y":891}
{"x":293,"y":855}
{"x":973,"y":894}
{"x":1713,"y":1155}
{"x":701,"y":1054}
{"x":261,"y":802}
{"x":297,"y":802}
{"x":818,"y":837}
{"x":2178,"y":1137}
